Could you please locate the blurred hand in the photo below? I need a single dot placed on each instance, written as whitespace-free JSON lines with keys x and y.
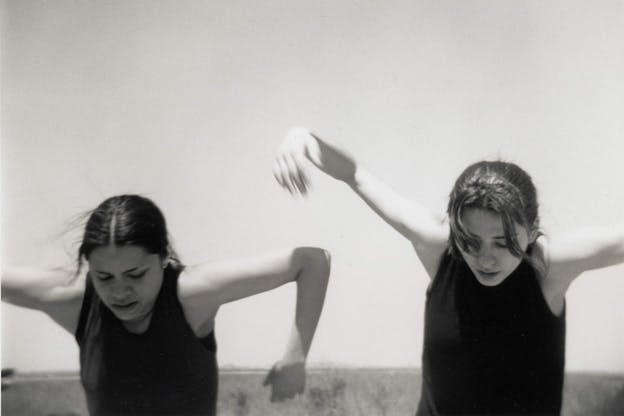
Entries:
{"x":286,"y":380}
{"x":300,"y":144}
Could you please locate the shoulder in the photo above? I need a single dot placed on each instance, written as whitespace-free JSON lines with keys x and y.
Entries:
{"x":553,"y":276}
{"x":197,"y":296}
{"x":197,"y":279}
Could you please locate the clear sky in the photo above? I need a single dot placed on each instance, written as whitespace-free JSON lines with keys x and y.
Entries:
{"x":186,"y":101}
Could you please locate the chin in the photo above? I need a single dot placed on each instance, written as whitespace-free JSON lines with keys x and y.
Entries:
{"x":490,"y":283}
{"x":490,"y":280}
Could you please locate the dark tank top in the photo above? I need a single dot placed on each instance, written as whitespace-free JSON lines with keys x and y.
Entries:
{"x":165,"y":370}
{"x":490,"y":350}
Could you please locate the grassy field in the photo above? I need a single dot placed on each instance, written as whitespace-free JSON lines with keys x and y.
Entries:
{"x":330,"y":392}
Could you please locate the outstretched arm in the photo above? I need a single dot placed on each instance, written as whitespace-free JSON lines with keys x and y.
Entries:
{"x":202,"y":289}
{"x":56,"y":292}
{"x":582,"y":249}
{"x":425,"y":231}
{"x":570,"y":254}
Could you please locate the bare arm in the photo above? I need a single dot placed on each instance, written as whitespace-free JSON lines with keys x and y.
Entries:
{"x":570,"y":254}
{"x":56,"y":292}
{"x":204,"y":288}
{"x":582,"y":249}
{"x":425,"y":231}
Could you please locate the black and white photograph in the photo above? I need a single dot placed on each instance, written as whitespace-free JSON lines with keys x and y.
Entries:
{"x":302,"y":208}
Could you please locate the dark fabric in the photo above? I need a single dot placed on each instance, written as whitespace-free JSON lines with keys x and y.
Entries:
{"x":165,"y":370}
{"x":490,"y":350}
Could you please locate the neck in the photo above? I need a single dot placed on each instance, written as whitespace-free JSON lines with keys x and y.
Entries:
{"x":138,"y":325}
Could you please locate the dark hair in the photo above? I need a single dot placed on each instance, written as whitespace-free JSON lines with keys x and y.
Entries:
{"x":500,"y":187}
{"x":126,"y":220}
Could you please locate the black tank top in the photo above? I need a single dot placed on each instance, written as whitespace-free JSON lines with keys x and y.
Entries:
{"x":490,"y":350}
{"x":165,"y":370}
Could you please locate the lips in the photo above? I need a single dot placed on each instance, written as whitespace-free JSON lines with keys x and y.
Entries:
{"x":125,"y":306}
{"x":487,"y":274}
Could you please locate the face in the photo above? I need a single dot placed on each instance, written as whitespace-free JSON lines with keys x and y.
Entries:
{"x":128,"y":280}
{"x":492,"y":263}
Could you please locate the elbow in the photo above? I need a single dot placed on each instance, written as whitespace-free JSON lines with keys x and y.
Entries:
{"x":313,"y":259}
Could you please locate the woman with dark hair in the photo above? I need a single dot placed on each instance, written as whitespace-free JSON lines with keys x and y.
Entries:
{"x":494,"y":338}
{"x":144,"y":322}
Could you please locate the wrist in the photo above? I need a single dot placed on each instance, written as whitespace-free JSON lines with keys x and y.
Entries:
{"x":294,"y":358}
{"x":355,"y":180}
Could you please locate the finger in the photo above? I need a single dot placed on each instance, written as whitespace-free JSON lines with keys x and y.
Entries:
{"x":278,"y":175}
{"x":303,"y":177}
{"x":283,"y":168}
{"x":295,"y":174}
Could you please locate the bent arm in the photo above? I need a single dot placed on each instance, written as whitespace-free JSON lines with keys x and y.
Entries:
{"x":204,"y":288}
{"x":312,"y":279}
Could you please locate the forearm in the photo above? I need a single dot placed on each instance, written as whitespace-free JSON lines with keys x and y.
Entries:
{"x":409,"y":218}
{"x":311,"y":283}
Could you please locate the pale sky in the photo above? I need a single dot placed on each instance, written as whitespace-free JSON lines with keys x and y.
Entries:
{"x":186,"y":101}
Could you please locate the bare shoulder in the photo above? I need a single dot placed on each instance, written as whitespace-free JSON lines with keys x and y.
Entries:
{"x":197,"y":280}
{"x":197,"y":293}
{"x":431,"y":249}
{"x":554,"y":279}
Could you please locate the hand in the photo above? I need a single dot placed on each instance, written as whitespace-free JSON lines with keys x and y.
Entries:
{"x":300,"y":144}
{"x":286,"y":380}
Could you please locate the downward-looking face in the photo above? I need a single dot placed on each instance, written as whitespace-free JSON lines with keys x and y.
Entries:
{"x":128,"y":280}
{"x":491,"y":262}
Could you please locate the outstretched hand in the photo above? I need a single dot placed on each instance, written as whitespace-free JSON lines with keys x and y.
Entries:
{"x":298,"y":145}
{"x":286,"y":380}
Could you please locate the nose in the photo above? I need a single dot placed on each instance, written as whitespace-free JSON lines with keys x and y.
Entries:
{"x":120,"y":290}
{"x":486,"y":260}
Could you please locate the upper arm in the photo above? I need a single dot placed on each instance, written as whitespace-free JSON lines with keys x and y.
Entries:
{"x":572,"y":253}
{"x":427,"y":232}
{"x":57,"y":292}
{"x":210,"y":285}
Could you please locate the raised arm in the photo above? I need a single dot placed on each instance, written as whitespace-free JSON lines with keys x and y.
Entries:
{"x":56,"y":292}
{"x":427,"y":232}
{"x":203,"y":288}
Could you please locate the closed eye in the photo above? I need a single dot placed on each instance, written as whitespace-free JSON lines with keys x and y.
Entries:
{"x":103,"y":276}
{"x":137,"y":275}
